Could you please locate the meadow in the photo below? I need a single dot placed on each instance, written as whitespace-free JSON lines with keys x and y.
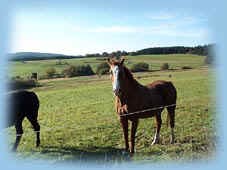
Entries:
{"x":176,"y":61}
{"x":79,"y":123}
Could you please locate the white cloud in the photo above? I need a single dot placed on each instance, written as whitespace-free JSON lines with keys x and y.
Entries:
{"x":119,"y":29}
{"x":175,"y":30}
{"x":180,"y":17}
{"x":166,"y":23}
{"x":110,"y":29}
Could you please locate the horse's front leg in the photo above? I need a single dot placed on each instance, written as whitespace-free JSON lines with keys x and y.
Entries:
{"x":133,"y":134}
{"x":124,"y":124}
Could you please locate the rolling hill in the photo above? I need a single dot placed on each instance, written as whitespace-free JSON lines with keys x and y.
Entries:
{"x":26,"y":56}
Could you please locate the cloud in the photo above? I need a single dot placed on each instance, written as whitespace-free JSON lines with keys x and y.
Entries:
{"x":170,"y":30}
{"x":164,"y":23}
{"x":176,"y":17}
{"x":177,"y":31}
{"x":108,"y":29}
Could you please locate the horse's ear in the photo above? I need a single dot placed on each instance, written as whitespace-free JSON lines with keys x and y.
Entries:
{"x":122,"y":61}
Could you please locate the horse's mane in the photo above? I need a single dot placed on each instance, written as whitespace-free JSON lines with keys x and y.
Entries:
{"x":128,"y":73}
{"x":130,"y":77}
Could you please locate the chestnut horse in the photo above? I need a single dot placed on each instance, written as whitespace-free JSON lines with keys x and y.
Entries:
{"x":134,"y":101}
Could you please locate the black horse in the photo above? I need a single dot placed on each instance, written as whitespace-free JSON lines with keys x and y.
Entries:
{"x":23,"y":104}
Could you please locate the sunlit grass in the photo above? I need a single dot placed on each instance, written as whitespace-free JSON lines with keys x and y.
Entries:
{"x":79,"y":123}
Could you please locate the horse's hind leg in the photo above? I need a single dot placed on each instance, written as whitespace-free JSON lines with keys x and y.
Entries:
{"x":33,"y":119}
{"x":171,"y":112}
{"x":133,"y":134}
{"x":19,"y":133}
{"x":158,"y":127}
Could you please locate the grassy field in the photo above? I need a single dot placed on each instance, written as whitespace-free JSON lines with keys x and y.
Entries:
{"x":175,"y":61}
{"x":79,"y":123}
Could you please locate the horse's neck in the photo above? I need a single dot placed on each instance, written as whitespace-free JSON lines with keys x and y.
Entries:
{"x":130,"y":91}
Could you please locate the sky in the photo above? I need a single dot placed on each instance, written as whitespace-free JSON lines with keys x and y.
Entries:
{"x":96,"y":26}
{"x":42,"y":25}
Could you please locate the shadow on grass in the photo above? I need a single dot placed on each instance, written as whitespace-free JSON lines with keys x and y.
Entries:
{"x":88,"y":155}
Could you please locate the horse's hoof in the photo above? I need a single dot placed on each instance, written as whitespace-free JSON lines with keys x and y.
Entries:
{"x":155,"y":142}
{"x":127,"y":149}
{"x":125,"y":152}
{"x":172,"y":142}
{"x":132,"y":153}
{"x":14,"y":149}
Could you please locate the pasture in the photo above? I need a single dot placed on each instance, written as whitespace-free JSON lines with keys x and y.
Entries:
{"x":79,"y":123}
{"x":176,"y":61}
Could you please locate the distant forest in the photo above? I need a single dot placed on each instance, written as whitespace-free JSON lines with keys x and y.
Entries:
{"x":205,"y":50}
{"x":197,"y":50}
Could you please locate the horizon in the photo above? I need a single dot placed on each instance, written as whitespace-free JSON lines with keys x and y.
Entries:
{"x":104,"y":51}
{"x":70,"y":28}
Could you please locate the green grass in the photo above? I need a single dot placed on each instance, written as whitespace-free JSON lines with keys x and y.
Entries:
{"x":79,"y":123}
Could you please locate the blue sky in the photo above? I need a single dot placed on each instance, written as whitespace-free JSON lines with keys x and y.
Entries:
{"x":81,"y":27}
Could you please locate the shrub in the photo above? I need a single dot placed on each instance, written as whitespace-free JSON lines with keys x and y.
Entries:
{"x":84,"y":70}
{"x":102,"y":68}
{"x":186,"y":67}
{"x":138,"y":67}
{"x":50,"y":72}
{"x":15,"y":84}
{"x":101,"y":58}
{"x":43,"y":77}
{"x":16,"y":78}
{"x":80,"y":70}
{"x":165,"y":66}
{"x":69,"y":72}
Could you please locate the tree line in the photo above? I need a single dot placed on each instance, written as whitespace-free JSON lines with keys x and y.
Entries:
{"x":197,"y":50}
{"x":204,"y":50}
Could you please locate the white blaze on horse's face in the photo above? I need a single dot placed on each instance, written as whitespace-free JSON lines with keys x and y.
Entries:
{"x":115,"y":79}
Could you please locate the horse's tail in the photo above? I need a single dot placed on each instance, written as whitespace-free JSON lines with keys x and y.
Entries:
{"x":34,"y":102}
{"x":167,"y":120}
{"x":170,"y":102}
{"x":35,"y":99}
{"x":170,"y":94}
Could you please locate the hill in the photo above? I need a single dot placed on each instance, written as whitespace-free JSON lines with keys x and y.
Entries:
{"x":28,"y":56}
{"x":203,"y":50}
{"x":198,"y":50}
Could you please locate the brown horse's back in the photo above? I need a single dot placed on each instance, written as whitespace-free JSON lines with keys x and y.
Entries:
{"x":166,"y":90}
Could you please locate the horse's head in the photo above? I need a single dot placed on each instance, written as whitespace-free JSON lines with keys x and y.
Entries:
{"x":117,"y":75}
